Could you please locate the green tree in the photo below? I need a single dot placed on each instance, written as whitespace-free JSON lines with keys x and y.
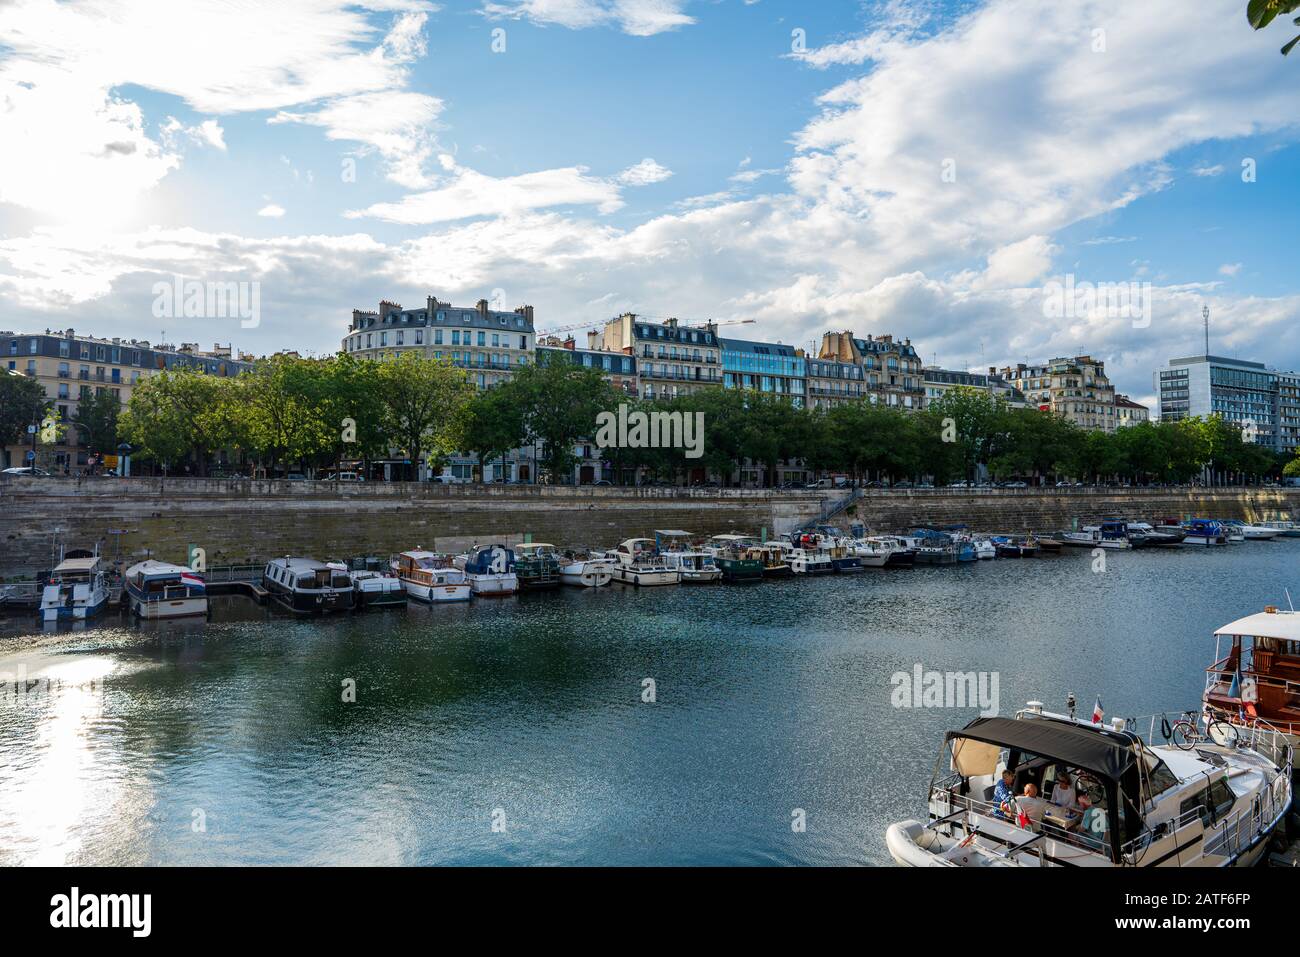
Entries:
{"x":1261,"y":13}
{"x":22,"y":403}
{"x":96,"y":421}
{"x":975,"y":423}
{"x":177,"y":415}
{"x":1292,"y":469}
{"x":424,"y":402}
{"x":494,"y":424}
{"x":561,"y":402}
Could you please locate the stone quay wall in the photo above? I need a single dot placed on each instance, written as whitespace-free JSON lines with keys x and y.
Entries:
{"x":240,"y":521}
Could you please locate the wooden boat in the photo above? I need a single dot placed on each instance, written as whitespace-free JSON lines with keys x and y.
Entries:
{"x":772,"y":556}
{"x":637,"y":562}
{"x":695,"y":565}
{"x":305,"y":586}
{"x":432,"y":578}
{"x":159,"y":590}
{"x":77,"y":589}
{"x":1133,"y":803}
{"x":1257,"y":681}
{"x":537,"y":565}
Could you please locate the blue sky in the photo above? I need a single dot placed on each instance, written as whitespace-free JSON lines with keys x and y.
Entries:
{"x":672,"y":157}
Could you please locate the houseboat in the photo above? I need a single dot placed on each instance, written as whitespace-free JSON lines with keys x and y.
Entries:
{"x":490,"y":570}
{"x":739,"y":562}
{"x":162,"y":590}
{"x":537,"y":565}
{"x":305,"y":586}
{"x":1255,"y":679}
{"x":695,"y":565}
{"x":77,"y":589}
{"x":432,"y":578}
{"x":1131,"y":803}
{"x":637,"y":562}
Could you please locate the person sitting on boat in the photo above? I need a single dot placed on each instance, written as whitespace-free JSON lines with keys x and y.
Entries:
{"x":1093,"y":826}
{"x":1030,"y":807}
{"x":1063,"y":795}
{"x":1004,"y":792}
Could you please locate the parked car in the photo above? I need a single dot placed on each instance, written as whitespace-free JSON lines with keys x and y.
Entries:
{"x":345,"y":477}
{"x":26,"y":470}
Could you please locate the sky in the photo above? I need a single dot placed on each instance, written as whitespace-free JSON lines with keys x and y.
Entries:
{"x":933,"y":170}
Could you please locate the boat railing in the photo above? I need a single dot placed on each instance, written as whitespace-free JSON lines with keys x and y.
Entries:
{"x":1244,"y":827}
{"x":1217,"y":673}
{"x":953,"y":806}
{"x":233,"y":573}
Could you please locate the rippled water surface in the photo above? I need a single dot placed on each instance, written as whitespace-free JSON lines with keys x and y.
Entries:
{"x":228,"y":742}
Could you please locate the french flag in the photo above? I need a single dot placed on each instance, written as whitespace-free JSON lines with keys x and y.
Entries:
{"x":1097,"y":713}
{"x":191,"y":580}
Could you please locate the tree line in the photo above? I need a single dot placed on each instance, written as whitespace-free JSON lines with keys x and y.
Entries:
{"x":294,"y":413}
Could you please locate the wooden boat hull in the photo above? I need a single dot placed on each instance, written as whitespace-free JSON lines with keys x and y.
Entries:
{"x":435,"y":594}
{"x":646,"y":578}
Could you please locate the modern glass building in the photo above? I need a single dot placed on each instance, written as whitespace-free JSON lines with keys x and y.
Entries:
{"x":772,"y":368}
{"x":1264,"y":403}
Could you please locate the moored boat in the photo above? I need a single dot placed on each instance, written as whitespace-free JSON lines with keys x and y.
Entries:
{"x":808,"y":556}
{"x":695,"y":565}
{"x":738,"y":564}
{"x":841,"y":549}
{"x":537,"y":566}
{"x":1153,"y":537}
{"x":1130,"y":802}
{"x":1285,"y":529}
{"x":159,"y":590}
{"x":1250,"y":533}
{"x":376,"y":590}
{"x":1203,"y":531}
{"x":305,"y":586}
{"x":586,"y":570}
{"x":1257,"y":681}
{"x":490,"y":570}
{"x":77,"y":589}
{"x":637,"y":562}
{"x":432,"y":578}
{"x":1109,"y":534}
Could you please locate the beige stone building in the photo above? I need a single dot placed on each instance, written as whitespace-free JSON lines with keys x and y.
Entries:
{"x":672,"y":359}
{"x":1076,"y":388}
{"x":72,"y":366}
{"x":880,"y":369}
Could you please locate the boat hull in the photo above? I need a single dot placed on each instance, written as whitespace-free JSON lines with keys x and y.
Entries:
{"x":646,"y":578}
{"x":178,"y":608}
{"x":436,"y":594}
{"x":79,"y":610}
{"x":587,"y":574}
{"x":309,"y":602}
{"x":495,"y":585}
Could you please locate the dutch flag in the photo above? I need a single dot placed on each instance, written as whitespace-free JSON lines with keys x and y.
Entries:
{"x":191,"y":580}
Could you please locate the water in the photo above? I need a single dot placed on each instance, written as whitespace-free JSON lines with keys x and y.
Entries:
{"x":227,"y":742}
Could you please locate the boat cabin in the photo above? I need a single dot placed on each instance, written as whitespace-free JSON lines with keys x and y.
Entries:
{"x":1256,"y":673}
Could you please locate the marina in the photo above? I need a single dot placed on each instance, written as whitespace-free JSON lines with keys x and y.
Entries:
{"x":553,"y":680}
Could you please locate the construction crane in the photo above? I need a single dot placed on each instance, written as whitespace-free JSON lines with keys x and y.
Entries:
{"x":692,"y":324}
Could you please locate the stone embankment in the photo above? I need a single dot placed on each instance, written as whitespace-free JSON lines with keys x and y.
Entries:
{"x":237,"y":522}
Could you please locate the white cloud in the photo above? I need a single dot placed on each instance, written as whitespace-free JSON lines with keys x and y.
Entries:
{"x":64,"y":61}
{"x":271,"y":211}
{"x":644,"y":173}
{"x":467,"y":194}
{"x":1208,"y":170}
{"x":636,"y":17}
{"x":1229,"y":269}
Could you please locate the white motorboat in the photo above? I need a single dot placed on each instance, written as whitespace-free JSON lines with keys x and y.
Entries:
{"x":873,"y":553}
{"x":1251,"y":533}
{"x":984,"y":548}
{"x":77,"y":589}
{"x":431,"y":578}
{"x":637,"y":562}
{"x":695,"y":565}
{"x":809,"y":555}
{"x":374,"y":589}
{"x":1112,"y":535}
{"x":490,"y":570}
{"x":157,"y":590}
{"x":1284,"y":528}
{"x":1131,"y":804}
{"x":589,"y":571}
